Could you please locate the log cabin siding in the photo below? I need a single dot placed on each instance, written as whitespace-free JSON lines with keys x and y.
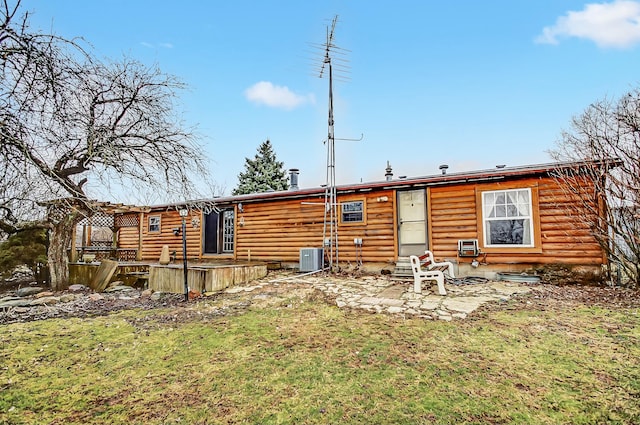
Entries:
{"x":152,"y":242}
{"x":152,"y":246}
{"x":566,"y":238}
{"x":128,"y":237}
{"x":275,"y":227}
{"x":451,"y":213}
{"x":561,"y":237}
{"x":277,"y":230}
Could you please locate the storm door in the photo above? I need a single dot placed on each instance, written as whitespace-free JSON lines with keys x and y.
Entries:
{"x":412,"y":224}
{"x":219,"y":232}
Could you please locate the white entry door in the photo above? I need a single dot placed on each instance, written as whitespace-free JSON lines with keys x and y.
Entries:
{"x":412,"y":225}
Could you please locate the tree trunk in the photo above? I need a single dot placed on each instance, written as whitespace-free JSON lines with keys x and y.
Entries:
{"x":57,"y":258}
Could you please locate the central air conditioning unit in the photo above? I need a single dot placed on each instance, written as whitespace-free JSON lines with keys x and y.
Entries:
{"x":311,"y":259}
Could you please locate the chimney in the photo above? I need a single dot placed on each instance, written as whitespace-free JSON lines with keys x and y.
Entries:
{"x":443,"y":168}
{"x":388,"y":172}
{"x":293,"y":178}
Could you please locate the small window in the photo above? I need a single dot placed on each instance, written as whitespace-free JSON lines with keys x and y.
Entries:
{"x":507,"y":218}
{"x":352,"y":212}
{"x":154,"y":223}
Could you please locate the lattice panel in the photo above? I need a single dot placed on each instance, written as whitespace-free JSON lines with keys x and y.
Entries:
{"x":98,"y":220}
{"x":127,"y":254}
{"x":127,"y":220}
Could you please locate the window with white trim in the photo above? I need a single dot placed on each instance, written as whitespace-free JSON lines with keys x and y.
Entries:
{"x":507,"y":218}
{"x":154,"y":223}
{"x":352,"y":212}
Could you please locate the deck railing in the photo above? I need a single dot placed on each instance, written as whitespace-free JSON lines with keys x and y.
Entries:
{"x":106,"y":253}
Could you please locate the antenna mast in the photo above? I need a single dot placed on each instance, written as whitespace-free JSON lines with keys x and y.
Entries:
{"x":330,"y":228}
{"x":331,"y":63}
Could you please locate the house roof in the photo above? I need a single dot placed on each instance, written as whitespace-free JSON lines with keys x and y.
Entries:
{"x":479,"y":176}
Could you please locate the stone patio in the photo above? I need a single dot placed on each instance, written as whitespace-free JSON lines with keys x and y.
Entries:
{"x":381,"y":294}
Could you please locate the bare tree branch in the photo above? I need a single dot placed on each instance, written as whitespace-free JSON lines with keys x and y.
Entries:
{"x":72,"y":125}
{"x":607,"y":135}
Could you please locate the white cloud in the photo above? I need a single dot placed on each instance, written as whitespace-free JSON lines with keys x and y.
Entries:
{"x":156,"y":45}
{"x":614,"y":24}
{"x":266,"y":93}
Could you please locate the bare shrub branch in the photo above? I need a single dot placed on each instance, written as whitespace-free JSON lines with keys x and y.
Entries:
{"x":607,"y":136}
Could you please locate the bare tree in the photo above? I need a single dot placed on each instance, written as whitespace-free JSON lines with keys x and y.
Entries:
{"x":607,"y":136}
{"x":73,"y":126}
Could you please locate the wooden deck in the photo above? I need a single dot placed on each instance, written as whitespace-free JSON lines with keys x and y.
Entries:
{"x":201,"y":277}
{"x":129,"y":273}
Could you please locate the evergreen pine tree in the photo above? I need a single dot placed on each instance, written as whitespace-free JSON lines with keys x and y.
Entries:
{"x":27,"y":247}
{"x":262,"y":174}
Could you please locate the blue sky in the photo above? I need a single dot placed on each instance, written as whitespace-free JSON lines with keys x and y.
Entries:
{"x":471,"y":84}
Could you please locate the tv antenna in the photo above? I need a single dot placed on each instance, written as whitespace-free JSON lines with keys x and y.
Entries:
{"x":333,"y":57}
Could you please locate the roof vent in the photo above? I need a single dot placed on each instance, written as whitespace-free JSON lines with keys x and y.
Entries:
{"x":293,"y":178}
{"x":388,"y":172}
{"x":444,"y":168}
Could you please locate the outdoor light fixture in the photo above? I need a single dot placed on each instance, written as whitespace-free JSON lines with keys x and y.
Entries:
{"x":195,"y":222}
{"x":183,"y":213}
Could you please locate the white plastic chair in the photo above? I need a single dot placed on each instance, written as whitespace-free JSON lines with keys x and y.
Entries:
{"x":420,"y":275}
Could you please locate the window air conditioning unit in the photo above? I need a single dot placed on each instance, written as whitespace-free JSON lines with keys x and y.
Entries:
{"x":468,"y":248}
{"x":311,"y":259}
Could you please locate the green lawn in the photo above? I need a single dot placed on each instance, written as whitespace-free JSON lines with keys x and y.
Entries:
{"x":309,"y":362}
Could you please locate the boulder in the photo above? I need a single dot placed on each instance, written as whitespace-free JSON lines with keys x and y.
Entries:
{"x":96,"y":297}
{"x":119,"y":288}
{"x":45,"y":301}
{"x":115,"y":283}
{"x":21,"y":302}
{"x":77,"y":288}
{"x":28,"y":291}
{"x":3,"y":299}
{"x":67,"y":298}
{"x":157,"y":296}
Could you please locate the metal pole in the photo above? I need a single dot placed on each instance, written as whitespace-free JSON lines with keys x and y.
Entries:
{"x":184,"y":258}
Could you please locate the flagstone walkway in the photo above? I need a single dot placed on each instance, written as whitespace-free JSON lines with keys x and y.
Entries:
{"x":381,"y":294}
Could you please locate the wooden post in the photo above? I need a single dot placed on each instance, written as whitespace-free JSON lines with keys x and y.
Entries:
{"x":89,"y":229}
{"x":140,"y":227}
{"x":184,"y":254}
{"x":73,"y":255}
